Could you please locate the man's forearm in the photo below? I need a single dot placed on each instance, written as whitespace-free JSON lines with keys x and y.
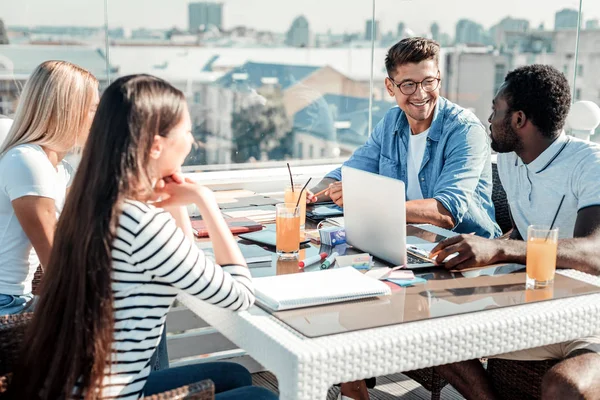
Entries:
{"x":580,"y":254}
{"x":428,"y":211}
{"x":324,"y":184}
{"x":511,"y":251}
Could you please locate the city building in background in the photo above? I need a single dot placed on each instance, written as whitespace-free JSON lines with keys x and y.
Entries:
{"x":299,"y":33}
{"x":203,"y":15}
{"x":259,"y":95}
{"x":17,"y":62}
{"x":566,"y":19}
{"x":3,"y":35}
{"x":470,"y":32}
{"x":498,"y":32}
{"x":400,"y":30}
{"x":435,"y":32}
{"x":372,"y":31}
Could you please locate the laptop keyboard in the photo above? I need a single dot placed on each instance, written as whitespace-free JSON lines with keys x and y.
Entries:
{"x":415,"y":260}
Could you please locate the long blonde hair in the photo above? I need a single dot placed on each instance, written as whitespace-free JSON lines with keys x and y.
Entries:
{"x":53,"y":108}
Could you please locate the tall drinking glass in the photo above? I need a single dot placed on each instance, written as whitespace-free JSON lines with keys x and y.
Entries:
{"x":542,"y":244}
{"x":287,"y":226}
{"x":292,"y":197}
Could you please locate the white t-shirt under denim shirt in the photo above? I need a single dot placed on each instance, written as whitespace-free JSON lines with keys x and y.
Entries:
{"x":569,"y":167}
{"x":416,"y":151}
{"x":25,"y":170}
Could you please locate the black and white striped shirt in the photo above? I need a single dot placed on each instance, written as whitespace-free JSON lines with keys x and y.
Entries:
{"x":152,"y":262}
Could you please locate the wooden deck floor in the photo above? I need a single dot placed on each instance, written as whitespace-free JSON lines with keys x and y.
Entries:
{"x":389,"y":387}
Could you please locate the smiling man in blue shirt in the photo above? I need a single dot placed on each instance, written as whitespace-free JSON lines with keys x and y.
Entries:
{"x":439,"y":150}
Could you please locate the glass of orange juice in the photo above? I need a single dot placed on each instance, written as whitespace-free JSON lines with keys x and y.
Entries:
{"x":291,"y":196}
{"x":287,"y":227}
{"x":542,"y":243}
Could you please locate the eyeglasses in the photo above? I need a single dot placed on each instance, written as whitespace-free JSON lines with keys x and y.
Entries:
{"x":409,"y":87}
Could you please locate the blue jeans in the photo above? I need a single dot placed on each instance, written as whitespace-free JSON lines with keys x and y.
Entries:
{"x":232,"y":381}
{"x":13,"y":304}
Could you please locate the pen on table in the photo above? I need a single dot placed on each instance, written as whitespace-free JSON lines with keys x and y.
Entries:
{"x":418,"y":251}
{"x":312,"y":260}
{"x":329,"y":260}
{"x":321,"y":192}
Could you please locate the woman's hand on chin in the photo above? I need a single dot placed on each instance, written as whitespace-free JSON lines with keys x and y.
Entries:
{"x":178,"y":190}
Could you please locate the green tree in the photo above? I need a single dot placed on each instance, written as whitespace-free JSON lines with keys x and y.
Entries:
{"x":261,"y":127}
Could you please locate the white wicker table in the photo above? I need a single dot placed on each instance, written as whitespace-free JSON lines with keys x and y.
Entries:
{"x":306,"y":368}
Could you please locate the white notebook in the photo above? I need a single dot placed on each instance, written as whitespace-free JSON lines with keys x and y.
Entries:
{"x":284,"y":292}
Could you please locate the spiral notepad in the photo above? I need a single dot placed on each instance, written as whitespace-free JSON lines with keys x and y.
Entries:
{"x":284,"y":292}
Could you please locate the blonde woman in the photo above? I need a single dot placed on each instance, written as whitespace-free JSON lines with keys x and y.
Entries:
{"x":53,"y":117}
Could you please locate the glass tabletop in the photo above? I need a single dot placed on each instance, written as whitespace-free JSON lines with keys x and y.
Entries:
{"x":443,"y":294}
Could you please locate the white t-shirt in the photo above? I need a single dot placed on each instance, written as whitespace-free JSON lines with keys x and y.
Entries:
{"x":569,"y":167}
{"x":25,"y":170}
{"x":5,"y":124}
{"x":416,"y":151}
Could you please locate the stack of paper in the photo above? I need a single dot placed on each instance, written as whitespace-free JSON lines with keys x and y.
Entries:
{"x":337,"y":221}
{"x":259,"y":215}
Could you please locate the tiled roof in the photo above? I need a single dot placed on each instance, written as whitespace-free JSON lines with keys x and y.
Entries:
{"x":319,"y":117}
{"x":287,"y":75}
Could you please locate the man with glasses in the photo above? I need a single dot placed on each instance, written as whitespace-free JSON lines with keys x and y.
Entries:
{"x":438,"y":149}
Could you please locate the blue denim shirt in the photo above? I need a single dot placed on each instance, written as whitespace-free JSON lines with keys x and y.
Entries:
{"x":456,"y":168}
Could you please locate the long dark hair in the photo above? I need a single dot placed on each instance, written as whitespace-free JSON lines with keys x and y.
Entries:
{"x":69,"y":341}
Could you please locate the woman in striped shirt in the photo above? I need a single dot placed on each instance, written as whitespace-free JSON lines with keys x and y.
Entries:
{"x":118,"y":262}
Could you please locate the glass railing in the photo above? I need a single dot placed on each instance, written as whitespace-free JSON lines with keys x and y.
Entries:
{"x":273,"y":81}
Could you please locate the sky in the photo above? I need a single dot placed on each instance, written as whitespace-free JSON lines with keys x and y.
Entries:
{"x":339,"y":16}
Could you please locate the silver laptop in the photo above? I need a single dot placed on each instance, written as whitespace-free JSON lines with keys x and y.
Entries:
{"x":375,"y":219}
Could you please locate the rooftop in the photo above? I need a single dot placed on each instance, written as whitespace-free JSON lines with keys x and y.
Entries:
{"x":22,"y":59}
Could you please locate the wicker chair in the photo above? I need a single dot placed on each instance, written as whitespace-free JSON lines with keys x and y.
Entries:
{"x":518,"y":380}
{"x":203,"y":390}
{"x":12,"y":332}
{"x":37,"y":279}
{"x":500,"y":202}
{"x":429,"y":379}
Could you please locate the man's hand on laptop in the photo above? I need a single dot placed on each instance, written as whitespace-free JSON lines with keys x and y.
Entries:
{"x":471,"y":251}
{"x":335,"y":193}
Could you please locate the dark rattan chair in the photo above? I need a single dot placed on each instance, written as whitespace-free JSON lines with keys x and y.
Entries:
{"x":429,"y":379}
{"x":12,"y":332}
{"x":37,"y":279}
{"x":518,"y":380}
{"x":500,"y":202}
{"x":203,"y":390}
